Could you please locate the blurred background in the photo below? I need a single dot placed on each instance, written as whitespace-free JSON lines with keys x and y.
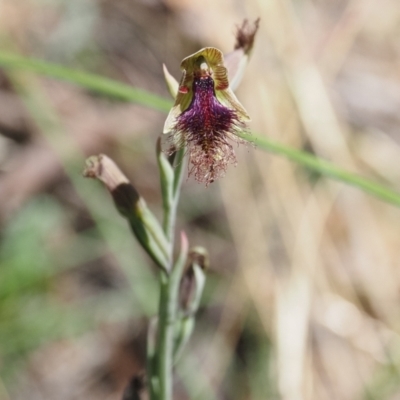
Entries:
{"x":303,"y":294}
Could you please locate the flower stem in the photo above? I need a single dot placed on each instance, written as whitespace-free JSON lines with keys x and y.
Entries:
{"x":166,"y":323}
{"x":169,"y":289}
{"x":176,"y":190}
{"x":165,"y":340}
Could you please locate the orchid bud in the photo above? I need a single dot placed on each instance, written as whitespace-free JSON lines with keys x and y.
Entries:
{"x":130,"y":205}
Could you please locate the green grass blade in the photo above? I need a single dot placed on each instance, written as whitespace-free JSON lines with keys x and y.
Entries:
{"x":86,"y":80}
{"x":122,"y":91}
{"x":326,"y":168}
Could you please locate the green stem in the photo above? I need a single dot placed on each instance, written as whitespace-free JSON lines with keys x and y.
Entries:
{"x":170,"y":180}
{"x":171,"y":220}
{"x":165,"y":340}
{"x":169,"y":290}
{"x":169,"y":298}
{"x":151,"y":358}
{"x":169,"y":287}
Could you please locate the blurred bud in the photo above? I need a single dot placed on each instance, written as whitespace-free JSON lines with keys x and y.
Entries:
{"x":199,"y":255}
{"x":245,"y":35}
{"x":132,"y":206}
{"x":191,"y":290}
{"x":103,"y":168}
{"x":192,"y":283}
{"x":236,"y":61}
{"x":206,"y":116}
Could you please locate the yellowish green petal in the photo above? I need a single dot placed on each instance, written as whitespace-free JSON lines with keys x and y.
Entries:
{"x":172,"y":83}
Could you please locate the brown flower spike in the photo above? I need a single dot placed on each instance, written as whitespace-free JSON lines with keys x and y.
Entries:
{"x":206,"y":116}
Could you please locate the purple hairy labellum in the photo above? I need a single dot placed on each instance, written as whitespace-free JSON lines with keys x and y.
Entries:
{"x":206,"y":116}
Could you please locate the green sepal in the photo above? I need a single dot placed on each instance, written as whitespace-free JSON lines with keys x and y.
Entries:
{"x":148,"y":231}
{"x":184,"y":329}
{"x":172,"y":83}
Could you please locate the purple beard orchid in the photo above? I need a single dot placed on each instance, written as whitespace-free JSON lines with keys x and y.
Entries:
{"x":206,"y":116}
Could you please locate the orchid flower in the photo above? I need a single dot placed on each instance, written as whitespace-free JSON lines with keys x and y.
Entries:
{"x":207,"y":116}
